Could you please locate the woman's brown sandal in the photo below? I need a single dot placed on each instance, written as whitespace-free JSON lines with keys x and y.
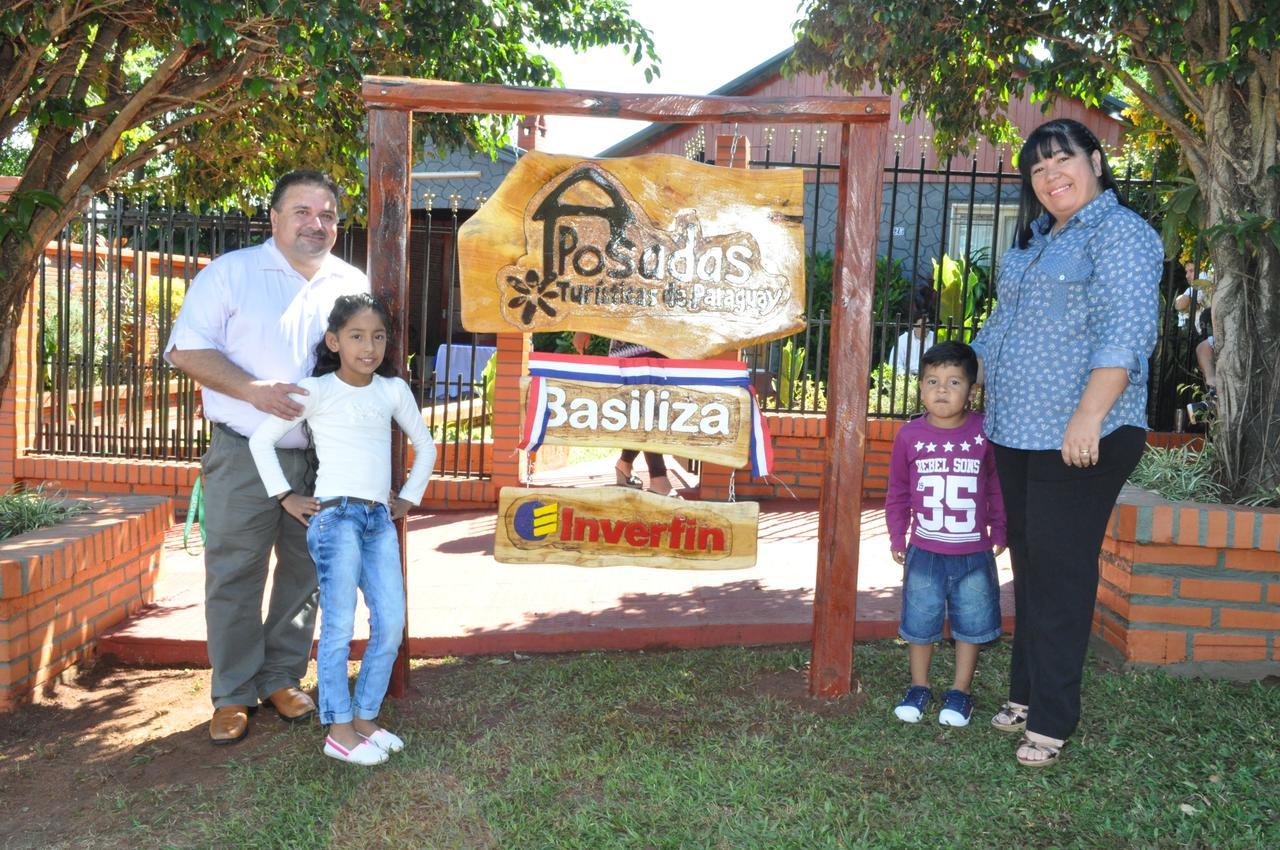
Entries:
{"x":1010,"y":718}
{"x":1048,"y":753}
{"x":629,"y":479}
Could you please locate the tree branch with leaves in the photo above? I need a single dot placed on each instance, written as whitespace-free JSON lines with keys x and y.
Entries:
{"x":1208,"y":71}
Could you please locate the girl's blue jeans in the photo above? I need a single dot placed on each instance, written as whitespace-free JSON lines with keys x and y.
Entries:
{"x":355,"y":546}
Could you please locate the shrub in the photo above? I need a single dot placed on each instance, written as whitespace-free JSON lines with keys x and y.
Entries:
{"x":1181,"y":474}
{"x":893,"y":391}
{"x":1186,"y":474}
{"x":27,"y":510}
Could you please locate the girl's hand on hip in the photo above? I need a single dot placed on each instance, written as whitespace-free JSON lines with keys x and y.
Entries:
{"x":1080,"y":441}
{"x":301,"y":508}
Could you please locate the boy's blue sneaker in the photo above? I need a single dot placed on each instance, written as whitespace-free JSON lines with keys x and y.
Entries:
{"x":957,"y":708}
{"x":911,"y":709}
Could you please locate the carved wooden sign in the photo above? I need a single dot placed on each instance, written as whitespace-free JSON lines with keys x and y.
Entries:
{"x":689,"y":259}
{"x":711,"y":424}
{"x":618,"y":526}
{"x":701,"y":409}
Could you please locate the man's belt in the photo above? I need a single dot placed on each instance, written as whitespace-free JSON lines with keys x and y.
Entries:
{"x":350,"y":500}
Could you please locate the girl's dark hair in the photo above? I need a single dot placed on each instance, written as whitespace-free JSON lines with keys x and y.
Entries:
{"x":344,"y":308}
{"x":952,"y":353}
{"x":1063,"y":134}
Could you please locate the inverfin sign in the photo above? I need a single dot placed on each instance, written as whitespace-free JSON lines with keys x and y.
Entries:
{"x":618,"y":526}
{"x":704,"y":409}
{"x":688,"y":259}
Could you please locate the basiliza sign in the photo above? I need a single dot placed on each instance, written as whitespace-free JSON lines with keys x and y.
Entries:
{"x":615,"y":526}
{"x":702,"y":409}
{"x":686,"y":258}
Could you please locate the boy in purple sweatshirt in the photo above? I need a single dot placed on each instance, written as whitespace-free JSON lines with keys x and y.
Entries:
{"x":943,"y":489}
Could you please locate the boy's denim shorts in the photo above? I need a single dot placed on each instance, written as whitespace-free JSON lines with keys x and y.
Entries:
{"x":962,"y":587}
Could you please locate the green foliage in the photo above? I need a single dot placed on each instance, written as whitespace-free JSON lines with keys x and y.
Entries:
{"x":488,"y":383}
{"x":561,"y":342}
{"x":1204,"y":75}
{"x":889,"y":296}
{"x":1182,"y":474}
{"x":962,"y":289}
{"x":1190,"y":474}
{"x":892,"y":288}
{"x":28,"y":510}
{"x":791,"y":378}
{"x":211,"y":101}
{"x":893,"y":391}
{"x":16,"y":213}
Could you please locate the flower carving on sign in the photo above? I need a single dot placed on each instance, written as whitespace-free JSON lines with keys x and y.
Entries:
{"x":532,"y":294}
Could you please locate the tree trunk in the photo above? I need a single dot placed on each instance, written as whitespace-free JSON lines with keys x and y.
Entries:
{"x":1241,"y":183}
{"x":19,"y":264}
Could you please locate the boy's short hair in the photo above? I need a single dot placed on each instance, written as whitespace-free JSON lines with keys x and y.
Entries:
{"x":952,"y":353}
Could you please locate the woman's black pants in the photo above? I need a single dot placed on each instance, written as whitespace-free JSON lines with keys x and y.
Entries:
{"x":1057,"y":517}
{"x":655,"y":462}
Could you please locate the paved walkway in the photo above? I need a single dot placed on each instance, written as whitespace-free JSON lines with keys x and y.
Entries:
{"x":462,"y":602}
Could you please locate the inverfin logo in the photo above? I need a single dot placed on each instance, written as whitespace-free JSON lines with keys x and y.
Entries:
{"x":537,"y":520}
{"x":617,"y":526}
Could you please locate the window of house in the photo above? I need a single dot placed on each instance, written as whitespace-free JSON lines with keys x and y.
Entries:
{"x":982,"y":220}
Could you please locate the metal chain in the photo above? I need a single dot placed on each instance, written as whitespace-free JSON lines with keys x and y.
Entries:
{"x":733,"y":145}
{"x":528,"y":469}
{"x":733,"y":496}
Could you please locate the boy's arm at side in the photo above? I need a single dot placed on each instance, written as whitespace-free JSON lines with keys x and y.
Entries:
{"x":897,"y":499}
{"x":409,"y":418}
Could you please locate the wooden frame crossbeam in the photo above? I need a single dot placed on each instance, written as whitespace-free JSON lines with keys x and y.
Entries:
{"x":410,"y":95}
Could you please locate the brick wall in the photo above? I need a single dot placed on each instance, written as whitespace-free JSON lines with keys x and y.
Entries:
{"x":1192,"y":586}
{"x":62,"y":587}
{"x":799,"y":447}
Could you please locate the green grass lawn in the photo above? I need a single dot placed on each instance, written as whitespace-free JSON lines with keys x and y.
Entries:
{"x":720,"y":749}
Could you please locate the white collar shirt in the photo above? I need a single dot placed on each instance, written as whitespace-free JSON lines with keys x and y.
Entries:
{"x":263,"y":316}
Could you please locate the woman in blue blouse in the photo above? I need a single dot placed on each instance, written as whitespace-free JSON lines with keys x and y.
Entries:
{"x":1064,"y":358}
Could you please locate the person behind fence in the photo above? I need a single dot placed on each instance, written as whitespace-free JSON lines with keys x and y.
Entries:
{"x":943,"y":490}
{"x":1198,"y":298}
{"x":1064,"y":357}
{"x":908,"y":351}
{"x":246,"y":331}
{"x":348,"y":408}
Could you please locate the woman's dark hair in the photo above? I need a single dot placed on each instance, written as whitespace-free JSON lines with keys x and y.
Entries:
{"x":951,"y":353}
{"x":344,"y":308}
{"x":1062,"y":134}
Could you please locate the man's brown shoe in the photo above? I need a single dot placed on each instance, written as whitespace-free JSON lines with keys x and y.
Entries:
{"x":292,"y":705}
{"x":230,"y":723}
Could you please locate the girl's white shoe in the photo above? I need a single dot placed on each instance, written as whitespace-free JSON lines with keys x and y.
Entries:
{"x":363,"y":753}
{"x":385,"y":741}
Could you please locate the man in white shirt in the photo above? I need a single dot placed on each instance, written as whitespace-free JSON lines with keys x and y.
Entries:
{"x":911,"y":346}
{"x":246,"y":333}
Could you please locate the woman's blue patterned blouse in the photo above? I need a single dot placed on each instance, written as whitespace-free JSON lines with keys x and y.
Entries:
{"x":1071,"y":302}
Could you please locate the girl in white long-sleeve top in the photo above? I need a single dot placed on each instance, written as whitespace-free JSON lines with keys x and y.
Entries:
{"x":352,"y":397}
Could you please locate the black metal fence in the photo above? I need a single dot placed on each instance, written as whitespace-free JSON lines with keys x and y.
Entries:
{"x":107,"y":296}
{"x":942,"y":231}
{"x":109,"y":288}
